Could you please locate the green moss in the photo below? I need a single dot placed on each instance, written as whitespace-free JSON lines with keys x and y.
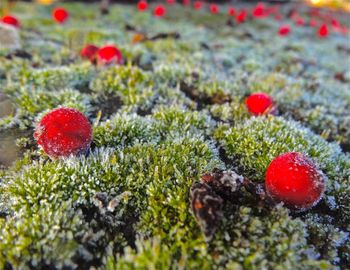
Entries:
{"x":130,"y":83}
{"x":31,"y":103}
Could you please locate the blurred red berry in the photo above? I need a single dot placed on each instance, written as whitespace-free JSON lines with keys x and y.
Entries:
{"x":170,"y":2}
{"x":231,"y":11}
{"x":241,"y":16}
{"x":313,"y":23}
{"x":64,"y":132}
{"x":159,"y":11}
{"x":60,"y":15}
{"x":344,"y":30}
{"x":142,"y":5}
{"x":89,"y":52}
{"x":259,"y":104}
{"x":295,"y":180}
{"x":314,"y":12}
{"x":278,"y":17}
{"x":214,"y":9}
{"x":323,"y":31}
{"x":259,"y":11}
{"x":197,"y":5}
{"x":109,"y":54}
{"x":11,"y":20}
{"x":186,"y":2}
{"x":299,"y":21}
{"x":284,"y":30}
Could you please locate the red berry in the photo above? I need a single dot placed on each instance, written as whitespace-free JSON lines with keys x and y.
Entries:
{"x":142,"y":5}
{"x":89,"y":52}
{"x":259,"y":11}
{"x":323,"y":31}
{"x":313,"y":23}
{"x":64,"y":132}
{"x":344,"y":30}
{"x":214,"y":9}
{"x":241,"y":16}
{"x":284,"y":30}
{"x":159,"y":11}
{"x":197,"y":5}
{"x":170,"y":2}
{"x":278,"y":17}
{"x":109,"y":55}
{"x":60,"y":15}
{"x":294,"y":179}
{"x":231,"y":11}
{"x":299,"y":21}
{"x":11,"y":20}
{"x":259,"y":104}
{"x":186,"y":2}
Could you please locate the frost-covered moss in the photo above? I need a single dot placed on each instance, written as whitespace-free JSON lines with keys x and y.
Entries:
{"x":173,"y":112}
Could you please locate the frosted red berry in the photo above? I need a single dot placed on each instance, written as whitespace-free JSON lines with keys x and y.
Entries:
{"x":323,"y":31}
{"x":259,"y":104}
{"x":109,"y":54}
{"x":64,"y":132}
{"x":142,"y":5}
{"x":284,"y":30}
{"x":11,"y":20}
{"x":89,"y":52}
{"x":295,"y":180}
{"x":241,"y":16}
{"x":214,"y":9}
{"x":159,"y":11}
{"x":60,"y":15}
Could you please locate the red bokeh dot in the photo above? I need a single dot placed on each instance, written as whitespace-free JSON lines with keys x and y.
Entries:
{"x":60,"y":15}
{"x":159,"y":11}
{"x":142,"y":5}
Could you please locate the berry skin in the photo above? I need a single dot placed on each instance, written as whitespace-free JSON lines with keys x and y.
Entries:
{"x":284,"y":30}
{"x":259,"y":104}
{"x":11,"y":20}
{"x":109,"y":55}
{"x":89,"y":52}
{"x":64,"y":132}
{"x":294,"y":179}
{"x":60,"y":15}
{"x":159,"y":11}
{"x":142,"y":5}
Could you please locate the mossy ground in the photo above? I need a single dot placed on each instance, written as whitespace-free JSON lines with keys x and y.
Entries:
{"x":173,"y":112}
